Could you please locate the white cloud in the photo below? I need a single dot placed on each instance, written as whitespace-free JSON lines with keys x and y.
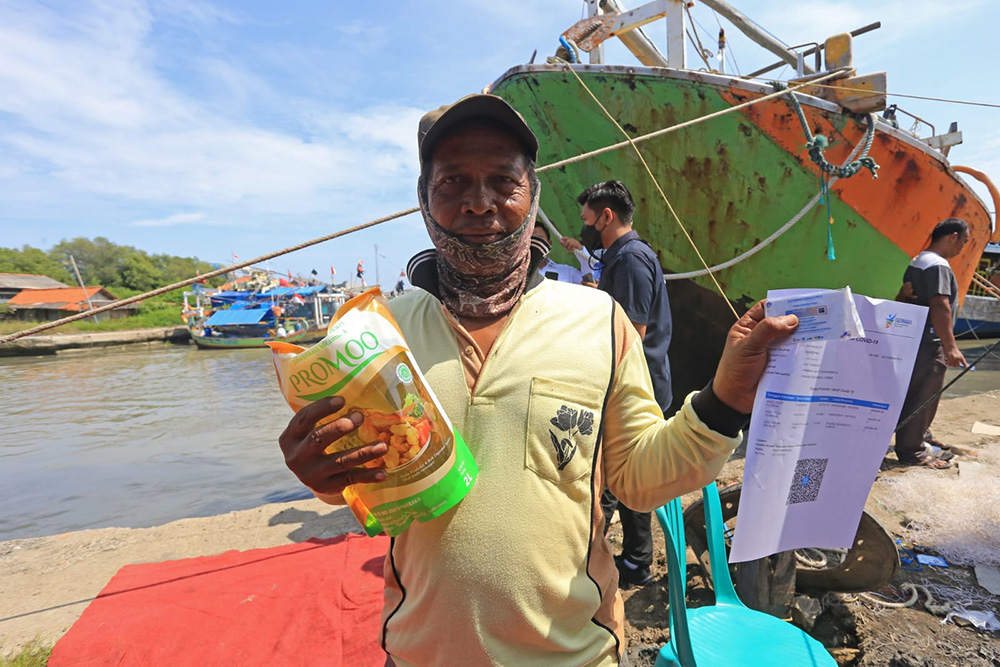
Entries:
{"x":92,"y":107}
{"x":818,"y":19}
{"x":173,"y":220}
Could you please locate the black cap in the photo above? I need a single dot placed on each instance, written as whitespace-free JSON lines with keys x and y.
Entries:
{"x":435,"y":123}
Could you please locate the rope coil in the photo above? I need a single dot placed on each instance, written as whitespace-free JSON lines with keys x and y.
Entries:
{"x":816,"y":144}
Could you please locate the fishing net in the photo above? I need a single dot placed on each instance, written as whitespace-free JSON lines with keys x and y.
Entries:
{"x":957,"y":516}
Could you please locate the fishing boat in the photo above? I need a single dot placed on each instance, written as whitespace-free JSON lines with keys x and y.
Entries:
{"x":227,"y":318}
{"x":979,"y":316}
{"x":247,"y":327}
{"x":754,"y":198}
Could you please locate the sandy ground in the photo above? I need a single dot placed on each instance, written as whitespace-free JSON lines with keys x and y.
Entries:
{"x":46,"y":583}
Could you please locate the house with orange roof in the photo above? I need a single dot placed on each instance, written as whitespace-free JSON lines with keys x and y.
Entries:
{"x":12,"y":283}
{"x":58,"y":302}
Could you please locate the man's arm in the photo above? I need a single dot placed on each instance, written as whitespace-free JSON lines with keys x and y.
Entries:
{"x":906,"y":293}
{"x":641,"y":328}
{"x":941,"y":321}
{"x":647,"y":460}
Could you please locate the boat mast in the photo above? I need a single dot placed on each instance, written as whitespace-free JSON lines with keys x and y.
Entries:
{"x":756,"y":33}
{"x":627,"y":28}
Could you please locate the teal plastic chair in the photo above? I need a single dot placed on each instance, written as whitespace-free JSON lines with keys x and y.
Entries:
{"x":728,"y":632}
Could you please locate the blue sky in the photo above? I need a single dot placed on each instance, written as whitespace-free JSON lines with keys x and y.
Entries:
{"x":210,"y":128}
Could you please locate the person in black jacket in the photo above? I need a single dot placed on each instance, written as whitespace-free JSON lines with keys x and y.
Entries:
{"x":631,"y":274}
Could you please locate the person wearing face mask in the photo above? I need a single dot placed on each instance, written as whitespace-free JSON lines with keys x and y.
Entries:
{"x":519,"y":572}
{"x":633,"y":277}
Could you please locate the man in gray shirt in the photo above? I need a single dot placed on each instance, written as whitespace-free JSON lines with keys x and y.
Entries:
{"x":929,"y":281}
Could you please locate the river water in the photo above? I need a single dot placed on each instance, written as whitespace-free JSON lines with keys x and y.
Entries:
{"x":140,"y":436}
{"x":137,"y":437}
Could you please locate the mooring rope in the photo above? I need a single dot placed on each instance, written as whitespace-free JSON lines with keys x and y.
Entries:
{"x":663,"y":195}
{"x":201,"y":278}
{"x":770,"y":239}
{"x":350,"y":230}
{"x":816,"y":144}
{"x":915,"y":590}
{"x":912,"y":97}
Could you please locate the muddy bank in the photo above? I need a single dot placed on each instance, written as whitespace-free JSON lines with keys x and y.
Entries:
{"x":856,"y":632}
{"x":55,"y":343}
{"x":46,"y":583}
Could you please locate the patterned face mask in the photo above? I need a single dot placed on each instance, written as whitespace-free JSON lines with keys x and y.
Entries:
{"x":480,"y":281}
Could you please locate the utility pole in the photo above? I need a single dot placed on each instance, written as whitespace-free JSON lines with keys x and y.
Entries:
{"x":82,"y":286}
{"x":377,"y":255}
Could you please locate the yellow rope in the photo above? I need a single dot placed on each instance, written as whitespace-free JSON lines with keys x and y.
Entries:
{"x":670,"y":207}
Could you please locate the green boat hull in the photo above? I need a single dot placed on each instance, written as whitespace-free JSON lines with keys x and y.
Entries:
{"x":733,"y":181}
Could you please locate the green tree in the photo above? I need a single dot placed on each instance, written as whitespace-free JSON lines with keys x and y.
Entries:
{"x":139,"y":273}
{"x":100,"y":261}
{"x":104,"y":263}
{"x":34,"y":261}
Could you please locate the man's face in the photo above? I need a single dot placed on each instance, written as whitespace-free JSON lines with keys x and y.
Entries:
{"x":478,"y":187}
{"x":593,"y":218}
{"x":956,"y":243}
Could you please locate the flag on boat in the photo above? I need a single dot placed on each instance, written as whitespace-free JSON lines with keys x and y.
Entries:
{"x":298,"y":299}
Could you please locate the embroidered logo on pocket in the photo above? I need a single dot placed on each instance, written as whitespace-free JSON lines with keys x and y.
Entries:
{"x":572,"y":423}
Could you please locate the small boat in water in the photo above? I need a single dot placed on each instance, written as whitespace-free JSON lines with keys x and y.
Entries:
{"x":248,"y":327}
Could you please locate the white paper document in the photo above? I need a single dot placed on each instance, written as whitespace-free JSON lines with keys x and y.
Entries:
{"x":822,"y":421}
{"x":823,"y":315}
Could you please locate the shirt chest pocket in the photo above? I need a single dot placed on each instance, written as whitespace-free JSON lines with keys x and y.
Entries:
{"x":562,"y":429}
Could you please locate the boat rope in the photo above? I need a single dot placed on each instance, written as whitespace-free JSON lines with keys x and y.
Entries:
{"x":663,"y":195}
{"x":201,"y":278}
{"x":804,"y":556}
{"x":912,"y":97}
{"x":329,"y":237}
{"x":968,"y":367}
{"x":818,"y":143}
{"x":915,"y":591}
{"x":760,"y":246}
{"x":570,"y":46}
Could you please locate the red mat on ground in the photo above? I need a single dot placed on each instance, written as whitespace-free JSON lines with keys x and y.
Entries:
{"x":314,"y":603}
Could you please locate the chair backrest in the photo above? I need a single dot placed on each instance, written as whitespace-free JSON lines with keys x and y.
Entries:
{"x":715,"y":529}
{"x":671,"y":518}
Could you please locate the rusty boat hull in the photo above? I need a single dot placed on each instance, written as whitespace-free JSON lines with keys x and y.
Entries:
{"x":734,"y":180}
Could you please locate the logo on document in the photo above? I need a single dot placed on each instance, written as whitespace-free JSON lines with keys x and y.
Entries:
{"x":895,"y":321}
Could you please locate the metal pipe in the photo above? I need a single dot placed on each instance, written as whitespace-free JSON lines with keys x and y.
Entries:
{"x":854,"y":33}
{"x":985,"y":180}
{"x":636,"y":40}
{"x":755,"y":32}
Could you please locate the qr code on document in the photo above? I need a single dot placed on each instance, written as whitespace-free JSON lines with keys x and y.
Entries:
{"x":806,"y":481}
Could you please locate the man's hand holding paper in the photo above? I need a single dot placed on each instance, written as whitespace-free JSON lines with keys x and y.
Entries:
{"x":822,"y":420}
